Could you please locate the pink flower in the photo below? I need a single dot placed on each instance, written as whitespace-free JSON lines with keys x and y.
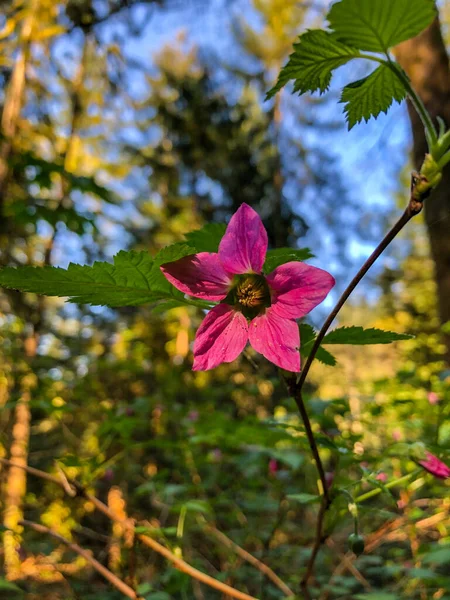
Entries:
{"x":436,"y":467}
{"x":329,"y":478}
{"x":433,"y":398}
{"x":381,"y":477}
{"x":396,"y":435}
{"x":253,"y":307}
{"x":273,"y":466}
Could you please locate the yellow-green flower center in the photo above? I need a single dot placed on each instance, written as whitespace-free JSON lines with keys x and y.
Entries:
{"x":250,"y":294}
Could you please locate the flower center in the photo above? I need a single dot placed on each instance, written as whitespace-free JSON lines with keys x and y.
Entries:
{"x":250,"y":292}
{"x":250,"y":295}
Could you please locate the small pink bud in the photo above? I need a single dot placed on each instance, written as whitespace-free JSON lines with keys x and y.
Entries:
{"x":273,"y":466}
{"x":433,"y":398}
{"x":193,"y":416}
{"x":381,"y":477}
{"x":108,"y":475}
{"x":436,"y":467}
{"x":217,"y":455}
{"x":401,"y":504}
{"x":329,"y":476}
{"x":396,"y":435}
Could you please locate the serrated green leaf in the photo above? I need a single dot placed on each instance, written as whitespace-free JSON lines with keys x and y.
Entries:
{"x":307,"y":337}
{"x":208,"y":238}
{"x":280,"y":256}
{"x":134,"y":278}
{"x":374,"y":94}
{"x":377,"y":25}
{"x":156,"y":279}
{"x":360,"y":337}
{"x":316,"y":55}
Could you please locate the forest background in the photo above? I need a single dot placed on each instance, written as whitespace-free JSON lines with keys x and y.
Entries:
{"x":126,"y":125}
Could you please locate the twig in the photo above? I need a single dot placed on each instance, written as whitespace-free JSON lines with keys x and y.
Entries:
{"x":106,"y":573}
{"x":148,"y":541}
{"x":250,"y":559}
{"x":295,"y":386}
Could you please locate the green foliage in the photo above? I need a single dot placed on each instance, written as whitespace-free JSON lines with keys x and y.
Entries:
{"x":358,"y":26}
{"x":304,"y":498}
{"x":8,"y":586}
{"x":307,"y":338}
{"x":359,"y":336}
{"x":206,"y":239}
{"x":316,"y":55}
{"x":377,"y":25}
{"x":134,"y":278}
{"x":374,"y":94}
{"x":280,"y":256}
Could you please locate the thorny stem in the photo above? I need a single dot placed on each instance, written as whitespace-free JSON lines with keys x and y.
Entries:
{"x":295,"y":385}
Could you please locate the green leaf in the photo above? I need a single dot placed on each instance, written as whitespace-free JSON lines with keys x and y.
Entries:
{"x":134,"y":278}
{"x":156,"y":279}
{"x":377,"y":25}
{"x":280,"y":256}
{"x":198,"y":506}
{"x":377,"y":596}
{"x":10,"y":587}
{"x":316,"y":55}
{"x":208,"y":238}
{"x":307,"y":337}
{"x":374,"y":94}
{"x":360,"y":337}
{"x":304,"y":498}
{"x":438,"y":556}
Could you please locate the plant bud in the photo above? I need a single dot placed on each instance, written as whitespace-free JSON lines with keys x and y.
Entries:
{"x":356,"y":543}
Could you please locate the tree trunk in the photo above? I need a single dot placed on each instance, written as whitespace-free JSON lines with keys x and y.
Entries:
{"x":14,"y":100}
{"x":425,"y":60}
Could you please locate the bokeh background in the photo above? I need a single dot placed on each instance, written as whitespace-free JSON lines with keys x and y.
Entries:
{"x":126,"y":124}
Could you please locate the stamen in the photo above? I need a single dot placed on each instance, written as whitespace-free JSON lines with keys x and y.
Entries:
{"x":251,"y":293}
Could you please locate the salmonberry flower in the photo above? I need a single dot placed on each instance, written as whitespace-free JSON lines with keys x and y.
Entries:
{"x":436,"y":467}
{"x":433,"y":398}
{"x":256,"y":308}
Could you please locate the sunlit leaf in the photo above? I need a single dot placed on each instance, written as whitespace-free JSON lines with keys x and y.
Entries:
{"x":280,"y":256}
{"x":316,"y":55}
{"x":134,"y":278}
{"x":360,"y":336}
{"x":377,"y":25}
{"x":372,"y":95}
{"x":208,"y":238}
{"x":307,"y":338}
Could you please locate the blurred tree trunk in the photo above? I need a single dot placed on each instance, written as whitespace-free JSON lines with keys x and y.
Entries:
{"x":14,"y":100}
{"x":426,"y":62}
{"x":16,"y":480}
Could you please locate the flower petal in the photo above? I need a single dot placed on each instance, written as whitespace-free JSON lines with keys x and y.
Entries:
{"x":436,"y":467}
{"x":243,"y":247}
{"x":277,"y":339}
{"x":199,"y":275}
{"x":220,"y":338}
{"x":298,"y":288}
